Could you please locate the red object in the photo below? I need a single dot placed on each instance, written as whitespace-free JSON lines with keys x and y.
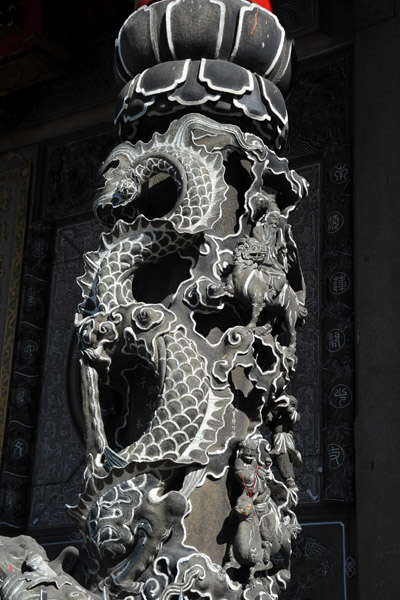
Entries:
{"x":10,"y":568}
{"x":245,"y":486}
{"x":264,"y":3}
{"x":21,"y":39}
{"x":255,"y":479}
{"x":139,"y":3}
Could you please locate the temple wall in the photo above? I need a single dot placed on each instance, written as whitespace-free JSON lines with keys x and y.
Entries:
{"x":377,"y":212}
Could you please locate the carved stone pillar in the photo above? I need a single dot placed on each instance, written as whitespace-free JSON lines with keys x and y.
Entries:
{"x":187,"y":327}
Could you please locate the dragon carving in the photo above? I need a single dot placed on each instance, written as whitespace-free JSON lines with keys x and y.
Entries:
{"x":187,"y":327}
{"x":189,"y":426}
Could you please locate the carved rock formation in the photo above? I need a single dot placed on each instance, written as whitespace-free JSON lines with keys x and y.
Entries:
{"x":187,"y":327}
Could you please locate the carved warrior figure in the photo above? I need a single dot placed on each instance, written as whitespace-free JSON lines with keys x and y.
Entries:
{"x":259,"y":273}
{"x":187,"y":327}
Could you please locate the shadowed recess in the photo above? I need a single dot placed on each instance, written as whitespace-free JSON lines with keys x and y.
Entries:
{"x":159,"y":281}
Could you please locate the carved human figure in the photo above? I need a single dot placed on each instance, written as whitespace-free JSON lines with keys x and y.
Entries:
{"x":270,"y":235}
{"x":246,"y":466}
{"x":252,"y":469}
{"x":259,"y":275}
{"x":281,"y":420}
